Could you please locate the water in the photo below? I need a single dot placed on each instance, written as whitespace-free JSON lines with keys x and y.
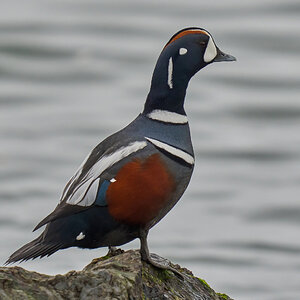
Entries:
{"x":73,"y":72}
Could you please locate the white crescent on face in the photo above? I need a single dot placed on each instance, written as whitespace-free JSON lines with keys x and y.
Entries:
{"x":210,"y":51}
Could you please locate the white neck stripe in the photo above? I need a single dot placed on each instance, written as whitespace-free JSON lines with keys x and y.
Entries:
{"x":170,"y":73}
{"x":172,"y":150}
{"x":167,"y":116}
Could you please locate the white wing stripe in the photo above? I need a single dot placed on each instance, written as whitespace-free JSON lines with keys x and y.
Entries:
{"x":91,"y":194}
{"x":167,"y":116}
{"x":81,"y":196}
{"x":74,"y":177}
{"x":174,"y":151}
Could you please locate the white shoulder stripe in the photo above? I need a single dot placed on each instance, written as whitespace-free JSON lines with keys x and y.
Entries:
{"x":174,"y":151}
{"x":167,"y":116}
{"x":83,"y":196}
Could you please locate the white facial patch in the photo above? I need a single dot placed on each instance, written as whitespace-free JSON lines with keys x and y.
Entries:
{"x":170,"y":73}
{"x":113,"y":180}
{"x":183,"y":51}
{"x":210,"y":51}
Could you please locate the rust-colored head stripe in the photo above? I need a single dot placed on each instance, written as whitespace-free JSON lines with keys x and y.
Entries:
{"x":183,"y":33}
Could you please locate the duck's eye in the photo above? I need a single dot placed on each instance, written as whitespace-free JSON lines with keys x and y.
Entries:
{"x":183,"y":51}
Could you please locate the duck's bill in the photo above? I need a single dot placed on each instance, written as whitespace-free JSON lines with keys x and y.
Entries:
{"x":221,"y":56}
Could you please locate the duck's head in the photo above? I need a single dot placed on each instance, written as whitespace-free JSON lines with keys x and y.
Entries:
{"x":191,"y":49}
{"x":187,"y":51}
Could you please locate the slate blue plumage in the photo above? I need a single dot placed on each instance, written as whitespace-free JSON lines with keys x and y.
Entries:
{"x":130,"y":181}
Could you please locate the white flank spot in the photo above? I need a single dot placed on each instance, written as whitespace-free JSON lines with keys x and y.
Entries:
{"x":113,"y":180}
{"x":170,"y":73}
{"x":80,"y":236}
{"x":210,"y":51}
{"x":167,"y":116}
{"x":183,"y":51}
{"x":85,"y":194}
{"x":174,"y":151}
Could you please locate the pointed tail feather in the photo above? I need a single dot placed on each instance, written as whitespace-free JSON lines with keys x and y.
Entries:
{"x":34,"y":249}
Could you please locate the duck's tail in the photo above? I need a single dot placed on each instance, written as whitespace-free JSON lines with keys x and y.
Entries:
{"x":34,"y":249}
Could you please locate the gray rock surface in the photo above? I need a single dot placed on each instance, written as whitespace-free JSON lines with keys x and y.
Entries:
{"x":118,"y":277}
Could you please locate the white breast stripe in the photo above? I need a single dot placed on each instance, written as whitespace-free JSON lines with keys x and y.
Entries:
{"x":174,"y":151}
{"x":85,"y":195}
{"x":167,"y":116}
{"x":210,"y":51}
{"x":170,"y":73}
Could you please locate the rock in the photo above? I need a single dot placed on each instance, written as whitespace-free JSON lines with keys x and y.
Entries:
{"x":118,"y":277}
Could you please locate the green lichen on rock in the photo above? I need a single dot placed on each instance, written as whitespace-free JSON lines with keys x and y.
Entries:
{"x":120,"y":277}
{"x":205,"y":283}
{"x":223,"y":296}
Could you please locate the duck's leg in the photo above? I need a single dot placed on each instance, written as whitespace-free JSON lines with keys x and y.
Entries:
{"x":113,"y":251}
{"x":145,"y":255}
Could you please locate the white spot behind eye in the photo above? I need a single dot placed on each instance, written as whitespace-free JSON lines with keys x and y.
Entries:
{"x":113,"y":180}
{"x":210,"y":51}
{"x":80,"y":236}
{"x":183,"y":51}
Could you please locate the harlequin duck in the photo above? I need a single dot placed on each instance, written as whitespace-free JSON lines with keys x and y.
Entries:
{"x":131,"y":180}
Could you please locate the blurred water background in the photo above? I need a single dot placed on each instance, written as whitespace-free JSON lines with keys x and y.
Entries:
{"x":73,"y":72}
